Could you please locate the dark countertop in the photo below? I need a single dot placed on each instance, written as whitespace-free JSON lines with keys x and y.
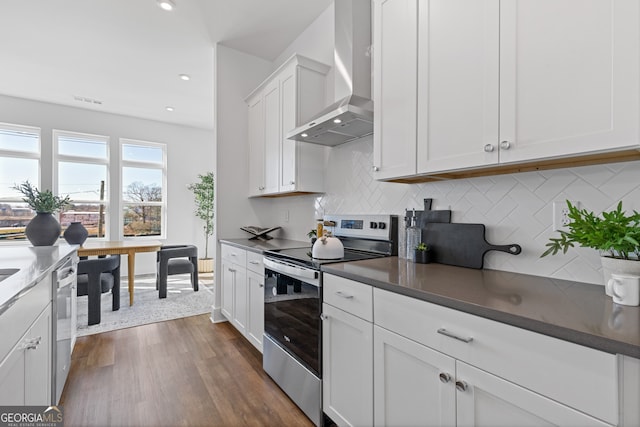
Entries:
{"x":577,"y":312}
{"x":269,"y":245}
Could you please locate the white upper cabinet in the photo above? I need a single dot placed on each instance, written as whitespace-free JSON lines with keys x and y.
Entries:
{"x":466,"y":84}
{"x":395,"y":29}
{"x":289,"y":97}
{"x":569,"y":77}
{"x":457,"y":84}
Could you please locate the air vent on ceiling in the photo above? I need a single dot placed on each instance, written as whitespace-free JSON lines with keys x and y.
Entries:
{"x":87,"y":100}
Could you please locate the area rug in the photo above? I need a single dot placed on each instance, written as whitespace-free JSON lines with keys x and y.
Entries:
{"x":181,"y":301}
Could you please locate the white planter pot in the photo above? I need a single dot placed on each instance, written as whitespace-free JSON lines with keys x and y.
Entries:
{"x":616,"y":265}
{"x":205,"y":265}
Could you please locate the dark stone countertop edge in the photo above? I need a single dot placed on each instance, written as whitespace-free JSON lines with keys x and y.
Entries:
{"x":566,"y":334}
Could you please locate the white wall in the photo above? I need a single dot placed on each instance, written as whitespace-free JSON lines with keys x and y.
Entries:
{"x":237,"y":74}
{"x":190,"y":151}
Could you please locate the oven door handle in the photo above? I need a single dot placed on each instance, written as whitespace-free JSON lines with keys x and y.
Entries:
{"x":291,"y":269}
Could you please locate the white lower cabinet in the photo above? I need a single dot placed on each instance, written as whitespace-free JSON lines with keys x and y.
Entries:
{"x":431,"y":365}
{"x":412,"y":383}
{"x":255,"y":321}
{"x":486,"y":400}
{"x":25,"y":372}
{"x":347,"y":370}
{"x":243,"y":292}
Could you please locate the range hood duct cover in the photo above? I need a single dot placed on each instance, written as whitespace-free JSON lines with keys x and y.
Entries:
{"x":351,"y":116}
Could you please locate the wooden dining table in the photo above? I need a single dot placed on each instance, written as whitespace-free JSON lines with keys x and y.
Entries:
{"x":120,"y":247}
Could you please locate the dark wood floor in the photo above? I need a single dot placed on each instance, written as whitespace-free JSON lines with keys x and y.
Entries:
{"x":184,"y":372}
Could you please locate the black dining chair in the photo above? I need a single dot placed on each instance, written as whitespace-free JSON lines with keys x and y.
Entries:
{"x":176,"y":259}
{"x":95,"y":277}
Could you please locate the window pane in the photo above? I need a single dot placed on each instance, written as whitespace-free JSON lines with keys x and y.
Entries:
{"x":15,"y":171}
{"x":19,"y":141}
{"x":14,"y":217}
{"x":81,"y":181}
{"x":89,"y":214}
{"x":140,"y":220}
{"x":142,"y":153}
{"x":82,"y":147}
{"x":141,"y":185}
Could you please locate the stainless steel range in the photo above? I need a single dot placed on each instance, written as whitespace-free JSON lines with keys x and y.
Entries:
{"x":293,"y":302}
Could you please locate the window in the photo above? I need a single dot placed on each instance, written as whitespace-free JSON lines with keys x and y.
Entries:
{"x":82,"y":173}
{"x":19,"y":162}
{"x":143,"y":177}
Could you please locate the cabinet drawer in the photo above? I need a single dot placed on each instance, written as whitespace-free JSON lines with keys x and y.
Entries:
{"x":353,"y":297}
{"x":577,"y":376}
{"x":234,"y":255}
{"x":254,"y":262}
{"x":18,"y":318}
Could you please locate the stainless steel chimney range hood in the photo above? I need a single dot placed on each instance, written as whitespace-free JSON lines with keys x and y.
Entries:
{"x":351,"y":116}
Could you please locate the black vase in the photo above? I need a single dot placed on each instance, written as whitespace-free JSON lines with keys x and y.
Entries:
{"x":75,"y":234}
{"x":423,"y":257}
{"x":43,"y":229}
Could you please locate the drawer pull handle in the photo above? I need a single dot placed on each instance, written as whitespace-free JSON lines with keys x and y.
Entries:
{"x":254,"y":262}
{"x":343,"y":295}
{"x":446,"y":333}
{"x":32,"y":343}
{"x":232,"y":270}
{"x":461,"y":386}
{"x":444,"y":377}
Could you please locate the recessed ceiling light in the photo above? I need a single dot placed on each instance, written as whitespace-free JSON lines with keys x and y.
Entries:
{"x":169,"y":108}
{"x":166,"y":4}
{"x":184,"y":77}
{"x":337,"y":121}
{"x":304,"y":135}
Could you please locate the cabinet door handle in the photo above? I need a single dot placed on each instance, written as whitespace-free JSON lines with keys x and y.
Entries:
{"x":323,"y":316}
{"x":376,"y":168}
{"x":488,"y":148}
{"x":505,"y":145}
{"x":292,"y":182}
{"x":261,"y":188}
{"x":32,"y":344}
{"x":446,"y":333}
{"x":461,"y":386}
{"x":261,"y":285}
{"x":444,"y":377}
{"x":343,"y":295}
{"x":232,"y":270}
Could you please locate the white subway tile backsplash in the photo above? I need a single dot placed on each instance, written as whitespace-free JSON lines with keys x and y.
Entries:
{"x":515,"y":208}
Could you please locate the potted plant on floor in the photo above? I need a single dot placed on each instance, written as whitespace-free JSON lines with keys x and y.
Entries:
{"x":204,"y":199}
{"x":43,"y":229}
{"x":616,"y":235}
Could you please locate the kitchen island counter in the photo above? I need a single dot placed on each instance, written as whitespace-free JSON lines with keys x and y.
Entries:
{"x":33,"y":264}
{"x":576,"y":312}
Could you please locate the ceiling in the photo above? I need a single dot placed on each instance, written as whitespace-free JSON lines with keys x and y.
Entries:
{"x":125,"y":56}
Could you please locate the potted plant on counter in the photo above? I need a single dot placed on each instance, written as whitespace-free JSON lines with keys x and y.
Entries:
{"x":204,"y":200}
{"x":43,"y":229}
{"x":616,"y":235}
{"x":423,"y":254}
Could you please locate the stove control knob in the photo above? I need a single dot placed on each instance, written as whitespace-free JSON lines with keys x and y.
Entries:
{"x":382,"y":225}
{"x":373,"y":225}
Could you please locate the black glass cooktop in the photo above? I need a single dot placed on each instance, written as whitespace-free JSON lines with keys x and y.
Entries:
{"x":303,"y":256}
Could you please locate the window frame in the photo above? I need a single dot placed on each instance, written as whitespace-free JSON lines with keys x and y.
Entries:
{"x":22,"y":155}
{"x":143,"y":165}
{"x":57,"y":158}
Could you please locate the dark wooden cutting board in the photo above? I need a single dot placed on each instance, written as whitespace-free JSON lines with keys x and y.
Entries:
{"x":462,"y":245}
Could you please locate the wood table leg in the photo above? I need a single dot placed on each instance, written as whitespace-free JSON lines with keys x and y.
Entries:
{"x":131,"y":261}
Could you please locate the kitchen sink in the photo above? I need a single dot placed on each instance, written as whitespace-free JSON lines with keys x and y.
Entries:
{"x":7,"y":272}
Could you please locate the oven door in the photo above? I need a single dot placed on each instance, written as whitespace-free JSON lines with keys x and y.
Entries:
{"x":292,"y":306}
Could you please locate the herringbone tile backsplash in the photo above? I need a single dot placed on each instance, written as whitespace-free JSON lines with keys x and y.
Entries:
{"x":516,"y":208}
